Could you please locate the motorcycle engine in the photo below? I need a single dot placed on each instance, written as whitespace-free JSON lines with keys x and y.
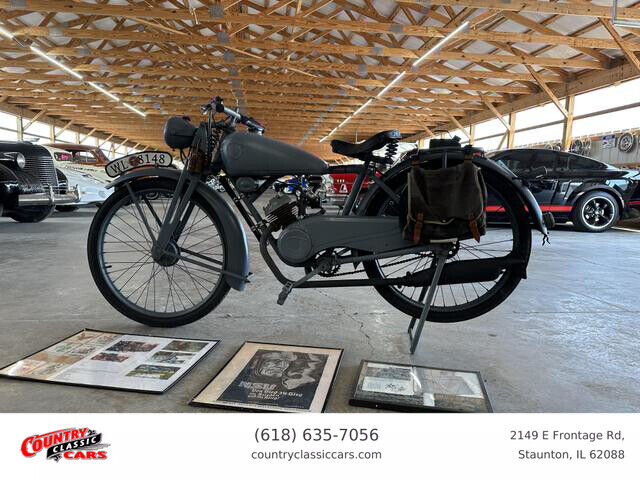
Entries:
{"x":281,"y":212}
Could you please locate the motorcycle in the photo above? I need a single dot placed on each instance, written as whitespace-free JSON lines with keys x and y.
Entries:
{"x":165,"y":248}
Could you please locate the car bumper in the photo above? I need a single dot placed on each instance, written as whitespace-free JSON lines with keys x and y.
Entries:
{"x":49,"y":197}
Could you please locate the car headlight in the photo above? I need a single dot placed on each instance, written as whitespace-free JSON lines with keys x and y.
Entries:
{"x":20,"y":160}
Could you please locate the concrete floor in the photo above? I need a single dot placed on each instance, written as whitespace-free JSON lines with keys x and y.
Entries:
{"x":566,"y":341}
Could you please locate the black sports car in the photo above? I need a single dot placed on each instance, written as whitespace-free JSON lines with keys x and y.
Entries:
{"x":591,"y":194}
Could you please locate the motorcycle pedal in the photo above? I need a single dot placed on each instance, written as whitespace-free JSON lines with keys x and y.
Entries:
{"x":286,"y":290}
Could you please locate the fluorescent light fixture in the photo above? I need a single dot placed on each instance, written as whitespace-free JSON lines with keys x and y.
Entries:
{"x":6,"y":33}
{"x":134,"y":109}
{"x":441,"y":43}
{"x":621,"y":23}
{"x":344,"y":121}
{"x":393,"y":82}
{"x":102,"y":90}
{"x":365,"y":105}
{"x":399,"y":77}
{"x":55,"y":62}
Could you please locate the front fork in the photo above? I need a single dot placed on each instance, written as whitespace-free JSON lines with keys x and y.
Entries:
{"x":176,"y":216}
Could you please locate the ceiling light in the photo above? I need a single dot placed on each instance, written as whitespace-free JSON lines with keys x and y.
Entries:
{"x":393,"y":82}
{"x":6,"y":33}
{"x":399,"y":77}
{"x":102,"y":90}
{"x":55,"y":62}
{"x":365,"y":105}
{"x":134,"y":109}
{"x":440,"y":44}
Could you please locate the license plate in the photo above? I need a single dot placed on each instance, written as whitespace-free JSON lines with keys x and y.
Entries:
{"x":137,"y":160}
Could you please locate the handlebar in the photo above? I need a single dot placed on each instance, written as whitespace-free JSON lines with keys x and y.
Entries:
{"x":250,"y":122}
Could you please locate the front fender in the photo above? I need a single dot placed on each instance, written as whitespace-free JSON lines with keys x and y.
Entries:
{"x":235,"y":237}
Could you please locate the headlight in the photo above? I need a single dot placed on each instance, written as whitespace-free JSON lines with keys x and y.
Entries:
{"x":19,"y":159}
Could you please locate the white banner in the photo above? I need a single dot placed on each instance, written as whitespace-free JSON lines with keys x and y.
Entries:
{"x":315,"y":446}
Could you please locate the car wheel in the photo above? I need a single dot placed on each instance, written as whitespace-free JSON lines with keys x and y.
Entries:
{"x":595,"y":212}
{"x":31,"y":214}
{"x":66,"y":208}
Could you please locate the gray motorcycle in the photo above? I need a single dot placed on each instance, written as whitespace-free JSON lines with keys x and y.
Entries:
{"x":165,"y":248}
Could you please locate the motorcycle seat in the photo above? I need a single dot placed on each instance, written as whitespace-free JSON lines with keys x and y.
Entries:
{"x":356,"y":150}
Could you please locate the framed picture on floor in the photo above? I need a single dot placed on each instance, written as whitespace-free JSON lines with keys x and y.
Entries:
{"x":118,"y":361}
{"x":273,"y":377}
{"x":411,"y":388}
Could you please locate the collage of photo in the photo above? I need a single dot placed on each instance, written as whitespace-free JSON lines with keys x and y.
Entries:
{"x":113,"y":360}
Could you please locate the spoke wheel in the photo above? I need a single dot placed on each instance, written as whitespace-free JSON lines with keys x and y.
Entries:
{"x":166,"y":291}
{"x":508,"y":233}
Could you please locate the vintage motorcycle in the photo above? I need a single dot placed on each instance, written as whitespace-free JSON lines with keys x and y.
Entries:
{"x":165,"y":248}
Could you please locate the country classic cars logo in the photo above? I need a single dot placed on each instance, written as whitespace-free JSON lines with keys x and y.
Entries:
{"x":70,"y":443}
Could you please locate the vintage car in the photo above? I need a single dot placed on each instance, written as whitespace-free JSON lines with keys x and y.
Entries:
{"x":83,"y":158}
{"x":91,"y":187}
{"x":591,"y":194}
{"x":29,"y":185}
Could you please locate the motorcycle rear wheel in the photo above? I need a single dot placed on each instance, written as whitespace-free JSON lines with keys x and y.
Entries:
{"x":459,"y":302}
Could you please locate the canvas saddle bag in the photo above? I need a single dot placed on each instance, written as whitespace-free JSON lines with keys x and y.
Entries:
{"x":446,"y":194}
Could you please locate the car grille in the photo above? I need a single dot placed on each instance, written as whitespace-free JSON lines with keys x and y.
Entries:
{"x":43,"y":169}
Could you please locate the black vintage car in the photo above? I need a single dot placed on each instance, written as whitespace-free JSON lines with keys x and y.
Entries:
{"x":30,"y":187}
{"x":591,"y":194}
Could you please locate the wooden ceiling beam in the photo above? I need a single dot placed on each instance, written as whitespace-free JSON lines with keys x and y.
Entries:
{"x":213,"y":40}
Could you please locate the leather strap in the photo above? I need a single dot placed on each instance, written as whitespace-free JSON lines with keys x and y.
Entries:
{"x":417,"y":229}
{"x":473,"y":226}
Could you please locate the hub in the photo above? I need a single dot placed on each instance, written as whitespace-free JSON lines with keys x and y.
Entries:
{"x":169,"y":257}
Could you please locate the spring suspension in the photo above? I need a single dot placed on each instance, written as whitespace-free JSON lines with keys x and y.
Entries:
{"x":214,"y":143}
{"x":392,"y":149}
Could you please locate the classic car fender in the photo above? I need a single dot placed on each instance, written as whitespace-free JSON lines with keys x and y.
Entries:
{"x":484,"y":163}
{"x":236,"y":239}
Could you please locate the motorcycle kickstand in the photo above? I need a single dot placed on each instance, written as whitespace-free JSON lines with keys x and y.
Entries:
{"x":414,"y":335}
{"x":286,"y":289}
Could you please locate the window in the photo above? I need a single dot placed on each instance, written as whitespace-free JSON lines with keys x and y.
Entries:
{"x":517,"y":161}
{"x":583,"y":163}
{"x":491,"y":127}
{"x":545,"y":158}
{"x":604,"y":98}
{"x":83,"y":157}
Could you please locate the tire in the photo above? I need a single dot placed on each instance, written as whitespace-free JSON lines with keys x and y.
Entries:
{"x":31,"y":214}
{"x":105,"y":284}
{"x":507,"y":283}
{"x":596,"y":211}
{"x":66,"y":208}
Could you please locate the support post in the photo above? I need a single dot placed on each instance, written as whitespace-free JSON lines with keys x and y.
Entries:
{"x":512,"y":130}
{"x":19,"y":129}
{"x":567,"y":129}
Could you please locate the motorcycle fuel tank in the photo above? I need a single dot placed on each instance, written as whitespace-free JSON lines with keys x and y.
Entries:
{"x":252,"y":155}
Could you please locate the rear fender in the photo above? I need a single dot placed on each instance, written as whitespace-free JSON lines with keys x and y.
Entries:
{"x":590,"y":187}
{"x":485,"y":164}
{"x":236,"y":239}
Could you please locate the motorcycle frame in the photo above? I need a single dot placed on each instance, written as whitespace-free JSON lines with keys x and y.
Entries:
{"x":179,"y":210}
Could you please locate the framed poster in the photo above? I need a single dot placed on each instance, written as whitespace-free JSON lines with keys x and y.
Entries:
{"x":117,"y":361}
{"x":411,"y":388}
{"x":273,"y":377}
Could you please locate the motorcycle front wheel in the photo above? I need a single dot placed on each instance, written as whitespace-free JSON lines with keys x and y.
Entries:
{"x":166,"y":293}
{"x":508,"y":234}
